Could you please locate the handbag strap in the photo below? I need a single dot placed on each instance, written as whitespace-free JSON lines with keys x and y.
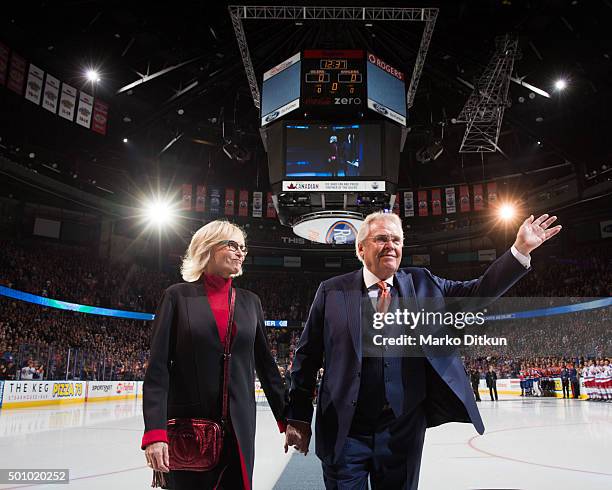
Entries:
{"x":226,"y":356}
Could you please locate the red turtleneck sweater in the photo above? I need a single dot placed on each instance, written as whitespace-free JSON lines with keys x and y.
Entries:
{"x":217,"y":290}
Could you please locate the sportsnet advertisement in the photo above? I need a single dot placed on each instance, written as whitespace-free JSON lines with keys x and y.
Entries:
{"x":111,"y":390}
{"x":33,"y":393}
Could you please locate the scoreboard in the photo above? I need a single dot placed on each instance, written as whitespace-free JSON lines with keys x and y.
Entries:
{"x":333,"y":81}
{"x":333,"y":85}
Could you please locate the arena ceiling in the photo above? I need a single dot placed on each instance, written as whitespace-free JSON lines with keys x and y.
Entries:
{"x":206,"y":101}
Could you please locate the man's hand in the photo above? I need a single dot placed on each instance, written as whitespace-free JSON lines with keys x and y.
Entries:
{"x":298,"y":435}
{"x":534,"y":232}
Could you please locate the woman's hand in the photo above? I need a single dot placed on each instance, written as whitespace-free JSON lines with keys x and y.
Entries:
{"x":157,"y":456}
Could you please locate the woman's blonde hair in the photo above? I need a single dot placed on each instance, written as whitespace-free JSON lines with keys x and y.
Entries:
{"x":202,"y":242}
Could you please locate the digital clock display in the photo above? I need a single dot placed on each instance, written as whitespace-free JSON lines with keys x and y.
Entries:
{"x":334,"y":64}
{"x":333,"y":79}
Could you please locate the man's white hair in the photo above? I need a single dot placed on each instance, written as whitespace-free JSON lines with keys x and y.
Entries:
{"x":378,"y":216}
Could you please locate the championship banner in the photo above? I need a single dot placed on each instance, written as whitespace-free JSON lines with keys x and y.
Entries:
{"x":186,"y":201}
{"x":51,"y":93}
{"x":270,"y":211}
{"x":464,"y":199}
{"x":257,"y":204}
{"x":408,"y":203}
{"x":422,"y":196}
{"x":451,"y":205}
{"x":85,"y":110}
{"x":229,"y":202}
{"x":200,"y":198}
{"x":215,"y":201}
{"x":396,"y":206}
{"x":35,"y":84}
{"x":4,"y":57}
{"x":243,"y":206}
{"x":436,"y":202}
{"x":492,"y":192}
{"x":478,"y":198}
{"x":16,"y":74}
{"x":100,"y":117}
{"x":67,"y":102}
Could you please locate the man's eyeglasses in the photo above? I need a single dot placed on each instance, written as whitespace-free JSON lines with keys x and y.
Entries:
{"x":235,"y":246}
{"x":384,"y":239}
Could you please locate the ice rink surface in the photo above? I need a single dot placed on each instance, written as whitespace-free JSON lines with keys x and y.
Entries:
{"x":529,"y":443}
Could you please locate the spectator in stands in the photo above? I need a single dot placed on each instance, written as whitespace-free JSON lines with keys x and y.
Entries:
{"x":193,"y":324}
{"x":28,"y":371}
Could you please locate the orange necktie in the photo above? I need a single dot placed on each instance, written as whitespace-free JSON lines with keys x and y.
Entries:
{"x":384,"y":297}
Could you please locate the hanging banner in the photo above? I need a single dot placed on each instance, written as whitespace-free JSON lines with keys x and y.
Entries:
{"x":422,"y":196}
{"x":229,"y":202}
{"x":436,"y":202}
{"x":51,"y":93}
{"x":100,"y":117}
{"x":492,"y":193}
{"x":257,"y":204}
{"x":16,"y":75}
{"x":4,"y":58}
{"x":67,"y":102}
{"x":200,"y":198}
{"x":408,"y":204}
{"x":396,"y":206}
{"x":478,"y":198}
{"x":215,"y":201}
{"x":243,"y":206}
{"x":464,"y":199}
{"x":270,"y":211}
{"x":187,"y":195}
{"x":35,"y":84}
{"x":451,"y":205}
{"x":85,"y":110}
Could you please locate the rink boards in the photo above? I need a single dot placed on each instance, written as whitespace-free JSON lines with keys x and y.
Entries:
{"x":18,"y":394}
{"x":21,"y":394}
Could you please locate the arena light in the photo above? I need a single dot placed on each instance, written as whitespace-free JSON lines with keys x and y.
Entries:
{"x":560,"y":85}
{"x":507,"y":212}
{"x":92,"y":75}
{"x":159,"y":212}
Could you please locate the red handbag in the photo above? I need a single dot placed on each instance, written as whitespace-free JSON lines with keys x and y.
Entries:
{"x":196,"y":444}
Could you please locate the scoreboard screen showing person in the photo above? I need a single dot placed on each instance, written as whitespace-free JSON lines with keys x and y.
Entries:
{"x":280,"y":92}
{"x":333,"y":150}
{"x":386,"y":90}
{"x":333,"y":81}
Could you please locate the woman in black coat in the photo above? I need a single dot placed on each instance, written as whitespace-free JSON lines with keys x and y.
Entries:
{"x":185,"y":369}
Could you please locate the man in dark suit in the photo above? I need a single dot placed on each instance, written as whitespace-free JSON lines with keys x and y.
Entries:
{"x":475,"y":381}
{"x":372,"y":411}
{"x":491,"y":379}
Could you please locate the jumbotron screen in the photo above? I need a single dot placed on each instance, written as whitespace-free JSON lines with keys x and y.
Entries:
{"x":333,"y":150}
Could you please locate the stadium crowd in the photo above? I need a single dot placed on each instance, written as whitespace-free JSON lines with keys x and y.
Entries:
{"x":34,"y":341}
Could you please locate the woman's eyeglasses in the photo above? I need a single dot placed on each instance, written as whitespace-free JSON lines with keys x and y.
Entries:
{"x":235,"y":246}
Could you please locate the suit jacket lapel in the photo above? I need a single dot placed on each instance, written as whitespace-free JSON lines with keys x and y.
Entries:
{"x":406,"y":289}
{"x":204,"y":334}
{"x":353,"y":296}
